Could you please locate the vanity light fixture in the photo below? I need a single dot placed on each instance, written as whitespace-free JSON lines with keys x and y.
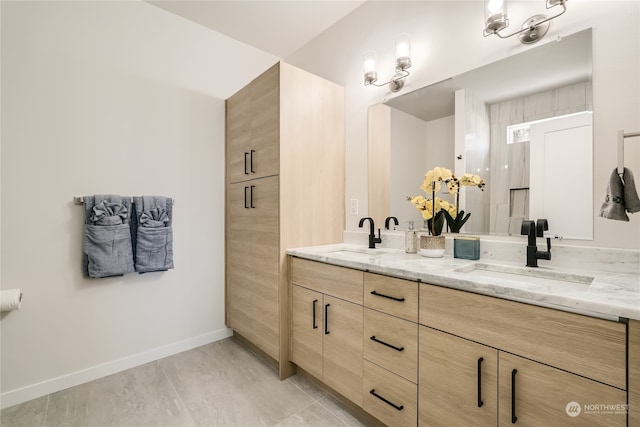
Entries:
{"x":403,"y":62}
{"x":532,"y":30}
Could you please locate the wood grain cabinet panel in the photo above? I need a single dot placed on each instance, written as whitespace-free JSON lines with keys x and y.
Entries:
{"x":394,"y":296}
{"x":340,"y":282}
{"x":458,"y":381}
{"x":326,"y":332}
{"x":594,"y":348}
{"x":533,"y":394}
{"x":342,"y":361}
{"x":283,"y":129}
{"x":392,"y":343}
{"x":388,"y":397}
{"x":252,"y":263}
{"x":634,"y":373}
{"x":307,"y":329}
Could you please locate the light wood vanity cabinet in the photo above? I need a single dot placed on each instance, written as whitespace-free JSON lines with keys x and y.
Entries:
{"x":561,"y":358}
{"x":326,"y":325}
{"x":435,"y":356}
{"x":285,"y":138}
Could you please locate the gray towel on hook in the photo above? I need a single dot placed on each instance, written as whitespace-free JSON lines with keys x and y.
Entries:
{"x":631,"y":200}
{"x":613,"y":206}
{"x":154,"y":234}
{"x":106,"y":241}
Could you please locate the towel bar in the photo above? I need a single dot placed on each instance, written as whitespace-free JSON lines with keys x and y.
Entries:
{"x":79,"y":200}
{"x":621,"y":138}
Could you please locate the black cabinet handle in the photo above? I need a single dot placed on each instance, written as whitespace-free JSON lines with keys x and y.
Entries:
{"x":373,"y":338}
{"x":399,"y":408}
{"x":251,"y":161}
{"x":245,"y":163}
{"x":513,"y":396}
{"x":252,"y":206}
{"x":315,"y":301}
{"x":245,"y":198}
{"x":480,"y":402}
{"x":326,"y":319}
{"x":386,"y":296}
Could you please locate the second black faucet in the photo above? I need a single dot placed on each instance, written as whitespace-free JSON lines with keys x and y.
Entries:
{"x":533,"y":230}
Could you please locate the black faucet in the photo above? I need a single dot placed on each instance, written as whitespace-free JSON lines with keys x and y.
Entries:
{"x":372,"y":234}
{"x":533,"y":230}
{"x":389,"y":218}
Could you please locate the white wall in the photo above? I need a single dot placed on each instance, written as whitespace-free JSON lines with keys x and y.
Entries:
{"x":447,"y":40}
{"x":109,"y":97}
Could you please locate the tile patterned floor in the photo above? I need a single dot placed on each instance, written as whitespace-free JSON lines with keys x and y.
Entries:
{"x":219,"y":384}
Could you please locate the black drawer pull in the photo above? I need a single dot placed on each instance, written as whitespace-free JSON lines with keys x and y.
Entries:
{"x":513,"y":396}
{"x":315,"y":302}
{"x":252,"y":187}
{"x":246,"y":206}
{"x":373,"y":338}
{"x":480,"y":402}
{"x":387,"y":296}
{"x":251,"y":161}
{"x":399,"y":408}
{"x":326,"y":319}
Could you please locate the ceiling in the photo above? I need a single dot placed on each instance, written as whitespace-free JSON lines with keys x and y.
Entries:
{"x":277,"y":27}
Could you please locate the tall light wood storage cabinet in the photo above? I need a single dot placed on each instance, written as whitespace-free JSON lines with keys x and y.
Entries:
{"x":285,"y":143}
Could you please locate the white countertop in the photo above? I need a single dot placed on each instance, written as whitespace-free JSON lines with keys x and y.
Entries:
{"x":609,"y":296}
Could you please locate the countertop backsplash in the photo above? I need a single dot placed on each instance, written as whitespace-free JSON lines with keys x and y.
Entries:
{"x":513,"y":250}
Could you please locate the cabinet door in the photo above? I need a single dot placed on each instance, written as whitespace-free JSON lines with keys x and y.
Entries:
{"x":342,"y":330}
{"x":253,"y":262}
{"x":533,"y":394}
{"x":457,"y":381}
{"x":307,"y":329}
{"x":265,"y":124}
{"x":253,"y":128}
{"x":238,"y":135}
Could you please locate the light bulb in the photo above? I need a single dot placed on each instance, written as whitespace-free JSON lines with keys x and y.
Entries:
{"x":403,"y":51}
{"x":495,"y":15}
{"x":369,"y":60}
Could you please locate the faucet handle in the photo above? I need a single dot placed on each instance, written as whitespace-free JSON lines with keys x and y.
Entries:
{"x":542,"y":225}
{"x":525,"y":227}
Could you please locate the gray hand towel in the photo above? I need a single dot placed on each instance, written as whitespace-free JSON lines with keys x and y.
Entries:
{"x":631,"y":200}
{"x":106,"y":241}
{"x":613,"y":206}
{"x":154,"y":234}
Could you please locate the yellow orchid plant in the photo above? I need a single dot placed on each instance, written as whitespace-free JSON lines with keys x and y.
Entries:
{"x":437,"y":209}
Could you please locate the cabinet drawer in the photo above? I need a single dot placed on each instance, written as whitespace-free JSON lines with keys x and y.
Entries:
{"x":584,"y":345}
{"x":340,"y":282}
{"x":394,"y":296}
{"x":391,"y":343}
{"x":388,"y":397}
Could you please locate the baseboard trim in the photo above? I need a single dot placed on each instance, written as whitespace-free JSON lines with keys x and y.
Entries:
{"x":53,"y":385}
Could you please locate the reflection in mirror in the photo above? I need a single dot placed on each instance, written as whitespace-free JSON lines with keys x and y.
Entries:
{"x":498,"y":122}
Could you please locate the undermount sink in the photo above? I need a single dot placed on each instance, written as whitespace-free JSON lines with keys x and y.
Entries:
{"x":538,"y":275}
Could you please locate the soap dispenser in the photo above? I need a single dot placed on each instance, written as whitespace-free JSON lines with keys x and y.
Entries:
{"x":411,"y":240}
